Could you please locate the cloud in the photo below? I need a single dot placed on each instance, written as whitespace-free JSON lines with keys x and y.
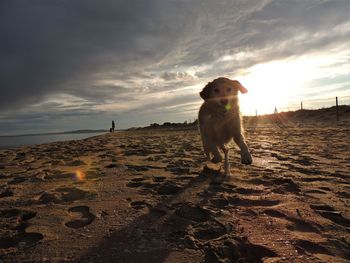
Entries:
{"x":169,"y":76}
{"x":112,"y":55}
{"x":49,"y":46}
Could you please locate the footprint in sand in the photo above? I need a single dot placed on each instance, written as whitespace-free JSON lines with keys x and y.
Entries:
{"x":24,"y":239}
{"x":168,"y":188}
{"x":139,"y":181}
{"x":159,"y":179}
{"x":330,"y":213}
{"x":248,"y":191}
{"x":134,"y":184}
{"x":315,"y":191}
{"x":307,"y":246}
{"x":58,"y":175}
{"x":17,"y":220}
{"x":64,"y":194}
{"x":193,"y":213}
{"x":296,"y":223}
{"x":343,"y":194}
{"x":111,"y":165}
{"x":285,"y":185}
{"x":316,"y":179}
{"x":137,"y":168}
{"x":219,"y":202}
{"x":235,"y":200}
{"x":17,"y":180}
{"x":209,"y":230}
{"x":81,"y":217}
{"x":140,"y":204}
{"x":5,"y":192}
{"x":21,"y":215}
{"x":75,"y":163}
{"x":236,"y":250}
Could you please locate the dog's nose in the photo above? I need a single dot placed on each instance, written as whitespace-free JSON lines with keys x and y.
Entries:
{"x":224,"y":101}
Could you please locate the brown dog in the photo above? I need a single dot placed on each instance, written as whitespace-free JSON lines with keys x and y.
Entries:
{"x":220,"y":120}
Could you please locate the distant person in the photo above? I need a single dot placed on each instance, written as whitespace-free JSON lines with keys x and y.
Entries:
{"x":113,"y":126}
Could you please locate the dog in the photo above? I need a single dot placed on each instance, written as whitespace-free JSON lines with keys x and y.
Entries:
{"x":219,"y":120}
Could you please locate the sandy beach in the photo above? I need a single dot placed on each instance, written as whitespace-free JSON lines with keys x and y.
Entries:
{"x":148,"y":196}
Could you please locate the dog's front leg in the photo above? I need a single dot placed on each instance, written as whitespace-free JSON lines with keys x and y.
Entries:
{"x":246,"y":157}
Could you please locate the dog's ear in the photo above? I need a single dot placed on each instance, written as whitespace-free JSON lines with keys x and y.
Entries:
{"x":240,"y":87}
{"x":205,"y":93}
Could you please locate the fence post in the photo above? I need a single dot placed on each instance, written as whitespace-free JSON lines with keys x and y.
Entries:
{"x":336,"y":106}
{"x":301,"y":105}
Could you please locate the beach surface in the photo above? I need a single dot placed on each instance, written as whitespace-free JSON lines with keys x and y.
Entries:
{"x":148,"y":196}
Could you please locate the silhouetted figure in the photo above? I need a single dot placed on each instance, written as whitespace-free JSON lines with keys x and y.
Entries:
{"x":113,"y":126}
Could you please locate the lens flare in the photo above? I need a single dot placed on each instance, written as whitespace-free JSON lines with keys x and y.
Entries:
{"x":80,"y":175}
{"x":228,"y":106}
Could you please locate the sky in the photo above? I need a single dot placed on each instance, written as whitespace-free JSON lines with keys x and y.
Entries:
{"x":68,"y":65}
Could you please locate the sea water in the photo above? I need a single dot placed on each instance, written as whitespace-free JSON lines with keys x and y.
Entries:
{"x":25,"y":140}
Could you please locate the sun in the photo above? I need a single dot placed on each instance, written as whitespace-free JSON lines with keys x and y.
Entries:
{"x":284,"y":83}
{"x":270,"y":85}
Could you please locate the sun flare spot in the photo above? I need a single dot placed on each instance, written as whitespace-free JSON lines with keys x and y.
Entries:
{"x":80,"y":175}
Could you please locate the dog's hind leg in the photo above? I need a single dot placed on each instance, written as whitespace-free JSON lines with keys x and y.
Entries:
{"x":246,"y":157}
{"x":226,"y":163}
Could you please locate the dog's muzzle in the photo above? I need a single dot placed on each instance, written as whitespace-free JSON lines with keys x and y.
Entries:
{"x":224,"y":101}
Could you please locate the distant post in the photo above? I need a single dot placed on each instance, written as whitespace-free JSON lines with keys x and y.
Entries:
{"x":336,"y":106}
{"x":301,"y":105}
{"x":256,"y":113}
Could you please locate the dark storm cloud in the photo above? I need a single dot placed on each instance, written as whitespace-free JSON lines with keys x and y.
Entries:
{"x":49,"y":45}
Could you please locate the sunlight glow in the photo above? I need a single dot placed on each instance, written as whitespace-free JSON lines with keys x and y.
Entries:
{"x":279,"y":83}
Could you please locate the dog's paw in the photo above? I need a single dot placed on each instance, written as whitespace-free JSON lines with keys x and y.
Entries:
{"x":246,"y":158}
{"x":216,"y":159}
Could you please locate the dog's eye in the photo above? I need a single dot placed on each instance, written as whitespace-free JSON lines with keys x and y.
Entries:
{"x":216,"y":90}
{"x":229,"y":89}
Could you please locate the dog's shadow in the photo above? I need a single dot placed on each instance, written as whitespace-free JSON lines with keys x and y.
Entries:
{"x":150,"y":237}
{"x":166,"y":228}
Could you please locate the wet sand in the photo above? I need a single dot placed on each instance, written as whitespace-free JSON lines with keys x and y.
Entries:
{"x":147,"y":196}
